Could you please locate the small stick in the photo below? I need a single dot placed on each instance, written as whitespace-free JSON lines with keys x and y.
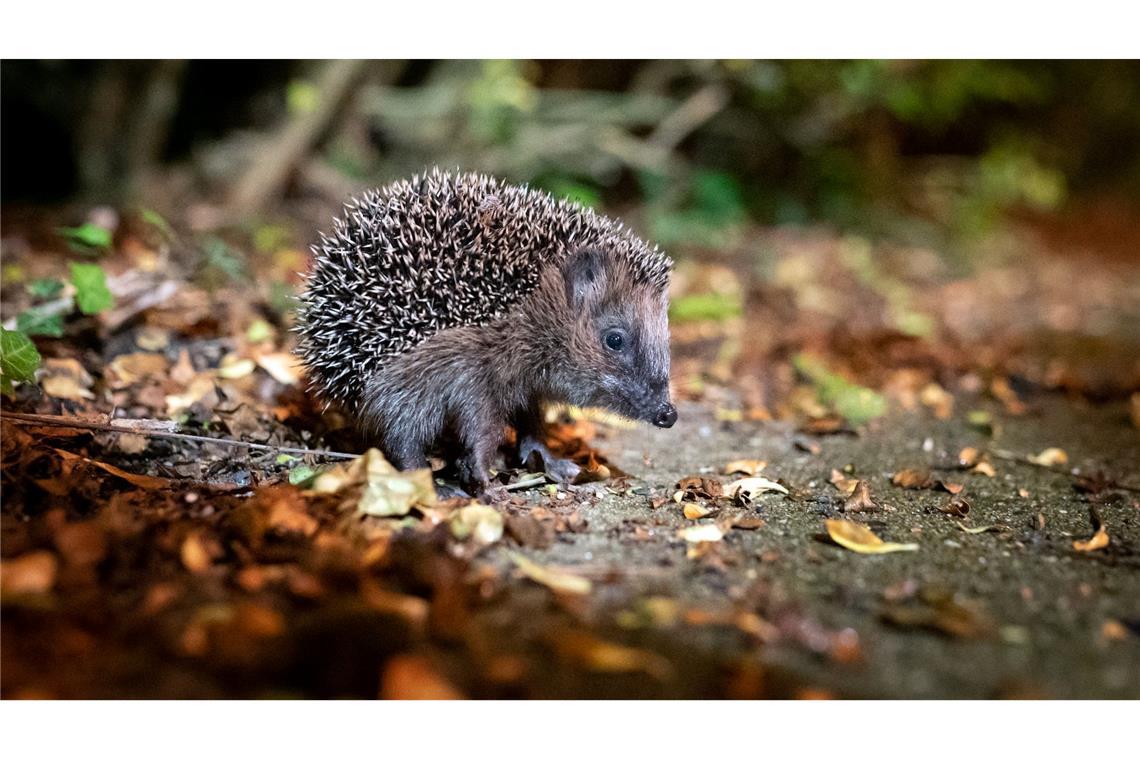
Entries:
{"x":62,"y":421}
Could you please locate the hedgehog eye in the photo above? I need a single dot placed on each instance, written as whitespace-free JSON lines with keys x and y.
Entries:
{"x":614,"y":340}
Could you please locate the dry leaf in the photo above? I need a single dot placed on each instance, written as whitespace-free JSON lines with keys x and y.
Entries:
{"x":1050,"y":457}
{"x":1098,"y":541}
{"x":981,"y":529}
{"x":66,"y":378}
{"x":698,"y":533}
{"x":746,"y":490}
{"x":556,"y":580}
{"x":984,"y":468}
{"x":860,"y":499}
{"x":384,"y":490}
{"x":938,"y":400}
{"x":608,"y":657}
{"x":956,"y":506}
{"x":744,"y":466}
{"x":142,"y":481}
{"x":234,"y":367}
{"x":477,"y":521}
{"x":695,"y":511}
{"x":128,"y":369}
{"x":748,"y":523}
{"x":912,"y":479}
{"x":196,"y":557}
{"x":968,"y":457}
{"x":842,"y":483}
{"x":695,"y":486}
{"x":412,"y":676}
{"x":282,"y":367}
{"x":31,"y":573}
{"x":859,"y":538}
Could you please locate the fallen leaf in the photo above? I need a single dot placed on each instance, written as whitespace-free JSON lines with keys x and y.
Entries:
{"x":695,"y":486}
{"x":748,"y":523}
{"x":556,"y":580}
{"x":31,"y":573}
{"x":842,"y":483}
{"x":128,"y":369}
{"x":698,"y":533}
{"x":1099,"y":540}
{"x":936,"y":398}
{"x":859,"y":538}
{"x":477,"y":521}
{"x":745,"y":490}
{"x":744,"y":466}
{"x":695,"y":511}
{"x":912,"y":479}
{"x":943,"y":611}
{"x":66,"y":378}
{"x":234,"y":367}
{"x":607,"y":657}
{"x":984,"y":468}
{"x":196,"y":556}
{"x":968,"y":457}
{"x":384,"y":491}
{"x":956,"y":506}
{"x":282,"y":367}
{"x":1050,"y":457}
{"x":981,"y":529}
{"x":142,"y":481}
{"x":860,"y":499}
{"x":412,"y":676}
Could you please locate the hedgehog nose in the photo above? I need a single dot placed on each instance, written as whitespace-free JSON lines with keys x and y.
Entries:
{"x":665,"y":417}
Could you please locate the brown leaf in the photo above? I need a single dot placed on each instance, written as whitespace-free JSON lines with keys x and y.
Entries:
{"x":607,"y":657}
{"x":555,"y":580}
{"x":530,"y":532}
{"x":844,"y":484}
{"x":197,"y":556}
{"x":142,"y":481}
{"x":744,"y":466}
{"x":31,"y":573}
{"x":413,"y":676}
{"x":127,"y":369}
{"x":860,"y":499}
{"x":1050,"y":457}
{"x":956,"y":506}
{"x":66,"y":378}
{"x":968,"y":457}
{"x":912,"y":479}
{"x":696,"y":486}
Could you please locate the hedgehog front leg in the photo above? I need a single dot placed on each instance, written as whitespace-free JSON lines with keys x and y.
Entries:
{"x":529,"y":429}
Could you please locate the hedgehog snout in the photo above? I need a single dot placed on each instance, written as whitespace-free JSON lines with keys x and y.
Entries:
{"x":665,"y":416}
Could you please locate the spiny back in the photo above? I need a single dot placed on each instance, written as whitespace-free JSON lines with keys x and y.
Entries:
{"x":438,"y":251}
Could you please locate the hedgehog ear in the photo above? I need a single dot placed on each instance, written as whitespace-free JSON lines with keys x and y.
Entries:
{"x":583,"y":273}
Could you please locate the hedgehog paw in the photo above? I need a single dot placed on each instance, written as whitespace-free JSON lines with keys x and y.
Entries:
{"x":562,"y":470}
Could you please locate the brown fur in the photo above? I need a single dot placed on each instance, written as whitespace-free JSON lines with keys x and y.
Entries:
{"x":465,"y":384}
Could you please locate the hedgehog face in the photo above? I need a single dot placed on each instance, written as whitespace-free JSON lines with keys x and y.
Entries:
{"x":622,"y":330}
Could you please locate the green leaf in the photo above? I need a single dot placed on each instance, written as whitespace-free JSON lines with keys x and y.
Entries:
{"x":35,"y":322}
{"x":44,"y":288}
{"x":855,"y":403}
{"x":302,"y":475}
{"x":91,"y":293}
{"x":154,"y":219}
{"x":18,"y":358}
{"x":89,"y":235}
{"x":700,"y":307}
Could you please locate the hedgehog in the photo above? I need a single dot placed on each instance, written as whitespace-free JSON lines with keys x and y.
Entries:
{"x":443,"y":309}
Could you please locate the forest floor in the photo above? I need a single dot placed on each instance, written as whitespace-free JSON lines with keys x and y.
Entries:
{"x":983,"y":423}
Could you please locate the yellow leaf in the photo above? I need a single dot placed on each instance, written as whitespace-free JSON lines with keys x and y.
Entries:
{"x":699,"y":533}
{"x":1050,"y":457}
{"x":555,"y":580}
{"x":384,"y":490}
{"x":234,"y":367}
{"x":695,"y":511}
{"x":66,"y":378}
{"x":478,"y":521}
{"x":1098,"y":541}
{"x":744,"y":466}
{"x":859,"y":538}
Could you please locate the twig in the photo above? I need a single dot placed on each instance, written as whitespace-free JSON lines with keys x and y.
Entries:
{"x":71,"y":422}
{"x":518,"y":485}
